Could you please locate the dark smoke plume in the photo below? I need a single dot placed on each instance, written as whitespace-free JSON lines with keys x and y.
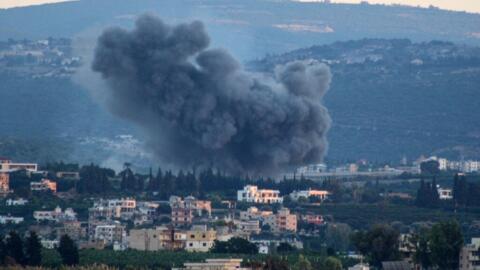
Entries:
{"x":199,"y":107}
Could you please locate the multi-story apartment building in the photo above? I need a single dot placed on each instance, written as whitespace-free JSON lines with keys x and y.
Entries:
{"x":184,"y":211}
{"x":57,"y":215}
{"x":252,"y":194}
{"x":116,"y":208}
{"x":159,"y":238}
{"x":110,"y":234}
{"x":44,"y":185}
{"x":282,"y":221}
{"x":320,"y":194}
{"x":200,"y":239}
{"x":470,"y":256}
{"x":8,"y":165}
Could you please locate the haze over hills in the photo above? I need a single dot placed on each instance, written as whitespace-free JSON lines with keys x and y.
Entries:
{"x":389,"y":98}
{"x":250,"y":28}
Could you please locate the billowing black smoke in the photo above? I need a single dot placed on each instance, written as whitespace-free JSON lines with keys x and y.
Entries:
{"x":199,"y":107}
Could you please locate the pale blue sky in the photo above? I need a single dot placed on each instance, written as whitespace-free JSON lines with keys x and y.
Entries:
{"x":463,"y":5}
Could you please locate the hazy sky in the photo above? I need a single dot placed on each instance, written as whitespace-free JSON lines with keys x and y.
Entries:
{"x":465,"y":5}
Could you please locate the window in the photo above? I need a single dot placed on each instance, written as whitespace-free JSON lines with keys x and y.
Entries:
{"x":204,"y":244}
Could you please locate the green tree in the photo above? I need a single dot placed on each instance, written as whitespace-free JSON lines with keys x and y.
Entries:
{"x":235,"y":245}
{"x":68,"y":251}
{"x":274,"y":263}
{"x":33,"y":250}
{"x":3,"y":251}
{"x":285,"y":248}
{"x":422,"y":254}
{"x":14,"y":248}
{"x":445,"y":243}
{"x":337,"y":236}
{"x":378,"y":244}
{"x":332,"y":263}
{"x":302,"y":264}
{"x":430,"y":167}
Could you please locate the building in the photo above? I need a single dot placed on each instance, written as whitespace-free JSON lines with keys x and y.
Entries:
{"x":10,"y":220}
{"x":254,"y":213}
{"x":248,"y":227}
{"x":57,"y":215}
{"x":68,"y":175}
{"x":314,"y":219}
{"x":184,"y":211}
{"x":44,"y":185}
{"x":74,"y":229}
{"x":8,"y":165}
{"x":159,"y":238}
{"x":359,"y":266}
{"x":306,"y":194}
{"x":215,"y":264}
{"x":252,"y":194}
{"x":470,"y":256}
{"x":110,"y":234}
{"x":16,"y":202}
{"x":4,"y":183}
{"x":282,"y":221}
{"x":445,"y":193}
{"x":115,"y":208}
{"x":200,"y":239}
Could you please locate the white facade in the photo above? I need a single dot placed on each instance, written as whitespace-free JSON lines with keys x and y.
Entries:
{"x":252,"y":194}
{"x":56,"y":215}
{"x":445,"y":193}
{"x":8,"y":165}
{"x":10,"y":220}
{"x":16,"y":202}
{"x":321,"y":194}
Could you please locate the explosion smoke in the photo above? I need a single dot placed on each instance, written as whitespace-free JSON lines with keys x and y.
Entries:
{"x":198,"y":106}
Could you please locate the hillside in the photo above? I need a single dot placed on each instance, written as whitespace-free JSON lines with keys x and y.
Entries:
{"x":388,"y":98}
{"x":250,"y":28}
{"x":391,"y":98}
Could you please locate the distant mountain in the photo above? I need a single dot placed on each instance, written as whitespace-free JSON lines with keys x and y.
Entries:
{"x":250,"y":28}
{"x":391,"y":98}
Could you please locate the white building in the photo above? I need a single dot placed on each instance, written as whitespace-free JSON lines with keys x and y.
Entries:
{"x":320,"y":194}
{"x":16,"y":202}
{"x":10,"y":220}
{"x":445,"y":193}
{"x":57,"y":215}
{"x":252,"y":194}
{"x":470,"y":256}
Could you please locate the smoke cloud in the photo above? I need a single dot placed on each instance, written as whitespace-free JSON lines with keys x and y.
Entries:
{"x":199,"y":107}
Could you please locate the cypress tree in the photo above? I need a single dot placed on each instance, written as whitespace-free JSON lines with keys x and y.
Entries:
{"x":14,"y":248}
{"x":33,"y":250}
{"x":68,"y":251}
